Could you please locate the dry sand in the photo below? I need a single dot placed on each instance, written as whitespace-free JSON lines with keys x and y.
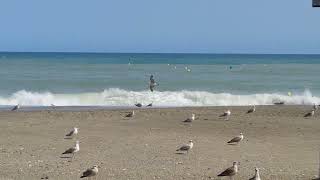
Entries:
{"x":278,"y":140}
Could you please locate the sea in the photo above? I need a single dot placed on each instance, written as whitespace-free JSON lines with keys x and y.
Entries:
{"x":122,"y":79}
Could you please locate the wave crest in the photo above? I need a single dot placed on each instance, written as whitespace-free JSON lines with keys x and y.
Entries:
{"x":120,"y":97}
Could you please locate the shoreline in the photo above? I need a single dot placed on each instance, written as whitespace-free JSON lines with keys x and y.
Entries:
{"x":5,"y":108}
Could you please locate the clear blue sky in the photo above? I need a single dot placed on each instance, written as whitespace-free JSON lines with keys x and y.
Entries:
{"x":193,"y":26}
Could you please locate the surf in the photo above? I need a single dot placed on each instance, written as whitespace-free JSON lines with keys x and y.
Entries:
{"x":121,"y":97}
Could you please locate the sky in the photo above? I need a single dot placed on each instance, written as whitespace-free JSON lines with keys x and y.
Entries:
{"x":160,"y":26}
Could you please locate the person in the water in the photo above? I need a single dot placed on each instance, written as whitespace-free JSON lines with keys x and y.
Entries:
{"x":152,"y":83}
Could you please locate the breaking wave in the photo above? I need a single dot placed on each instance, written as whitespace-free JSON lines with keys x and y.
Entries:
{"x":120,"y":97}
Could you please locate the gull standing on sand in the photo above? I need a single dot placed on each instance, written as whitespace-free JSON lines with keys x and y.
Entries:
{"x":90,"y":172}
{"x":73,"y":150}
{"x":16,"y":107}
{"x":73,"y":132}
{"x":310,"y":114}
{"x":236,"y":139}
{"x":256,"y":175}
{"x":315,"y":106}
{"x":130,"y":114}
{"x":226,"y":114}
{"x":53,"y":106}
{"x":279,"y":103}
{"x":231,"y":171}
{"x":252,"y":110}
{"x":190,"y":119}
{"x":186,"y":147}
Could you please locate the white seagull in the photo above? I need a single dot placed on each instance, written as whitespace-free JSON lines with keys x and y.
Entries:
{"x":226,"y":114}
{"x":130,"y":114}
{"x":256,"y":175}
{"x":190,"y":119}
{"x":231,"y":171}
{"x":90,"y":172}
{"x":253,"y":109}
{"x":186,"y":147}
{"x":315,"y":106}
{"x":310,"y":114}
{"x":236,"y":139}
{"x":73,"y":150}
{"x":73,"y":132}
{"x":16,"y":107}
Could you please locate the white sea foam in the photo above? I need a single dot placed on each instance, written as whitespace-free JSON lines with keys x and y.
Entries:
{"x":119,"y":97}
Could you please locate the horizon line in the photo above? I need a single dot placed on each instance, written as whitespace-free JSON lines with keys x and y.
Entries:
{"x":199,"y":53}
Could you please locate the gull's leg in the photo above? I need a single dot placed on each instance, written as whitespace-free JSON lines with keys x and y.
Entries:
{"x":72,"y":157}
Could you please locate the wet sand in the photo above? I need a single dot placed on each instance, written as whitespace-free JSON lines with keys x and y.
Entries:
{"x":278,"y":140}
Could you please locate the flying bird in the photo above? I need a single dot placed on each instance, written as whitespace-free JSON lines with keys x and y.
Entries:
{"x":310,"y":114}
{"x":190,"y":119}
{"x":149,"y":105}
{"x":73,"y":150}
{"x":253,"y":109}
{"x":231,"y":171}
{"x":130,"y":114}
{"x":256,"y":175}
{"x":186,"y":147}
{"x":16,"y":107}
{"x":90,"y":172}
{"x":138,"y":105}
{"x":236,"y":139}
{"x":73,"y":132}
{"x":226,"y":114}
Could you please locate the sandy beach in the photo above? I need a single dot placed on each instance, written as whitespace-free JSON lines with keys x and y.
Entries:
{"x":277,"y":139}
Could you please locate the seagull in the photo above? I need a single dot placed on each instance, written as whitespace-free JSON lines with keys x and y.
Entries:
{"x":256,"y":175}
{"x":186,"y":147}
{"x":279,"y":103}
{"x":315,"y":106}
{"x":236,"y":139}
{"x":73,"y":150}
{"x":226,"y":114}
{"x":16,"y":107}
{"x":74,"y":131}
{"x":192,"y":118}
{"x":53,"y":106}
{"x":149,"y":105}
{"x":253,"y":109}
{"x":310,"y":114}
{"x":90,"y":172}
{"x":231,"y":171}
{"x":138,"y":105}
{"x":130,"y":114}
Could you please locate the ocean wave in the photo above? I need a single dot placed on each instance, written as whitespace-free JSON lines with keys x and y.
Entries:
{"x":120,"y":97}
